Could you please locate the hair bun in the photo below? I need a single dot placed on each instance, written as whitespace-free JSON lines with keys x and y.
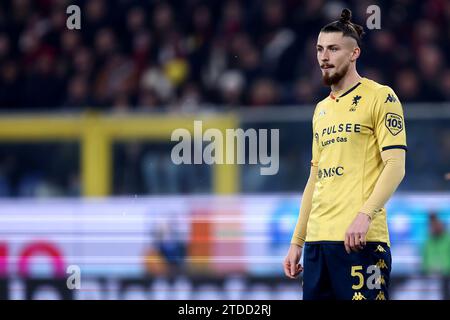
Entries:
{"x":346,"y":15}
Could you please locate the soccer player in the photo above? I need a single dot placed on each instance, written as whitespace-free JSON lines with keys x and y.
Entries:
{"x":358,"y":161}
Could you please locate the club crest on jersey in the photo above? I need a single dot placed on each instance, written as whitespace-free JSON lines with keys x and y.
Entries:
{"x":355,"y":102}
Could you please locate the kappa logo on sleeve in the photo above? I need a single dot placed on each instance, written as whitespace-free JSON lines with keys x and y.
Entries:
{"x":390,"y":98}
{"x":394,"y":123}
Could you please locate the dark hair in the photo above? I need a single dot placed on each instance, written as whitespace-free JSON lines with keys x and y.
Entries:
{"x":344,"y":25}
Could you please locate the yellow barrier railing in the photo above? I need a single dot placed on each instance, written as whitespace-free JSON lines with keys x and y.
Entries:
{"x":96,"y":134}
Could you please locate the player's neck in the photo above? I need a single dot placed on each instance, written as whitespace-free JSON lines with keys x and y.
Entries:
{"x":348,"y":81}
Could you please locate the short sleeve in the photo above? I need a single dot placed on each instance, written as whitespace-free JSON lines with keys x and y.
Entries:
{"x":389,"y":123}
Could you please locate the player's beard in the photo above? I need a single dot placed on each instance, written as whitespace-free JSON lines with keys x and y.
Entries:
{"x":335,"y":77}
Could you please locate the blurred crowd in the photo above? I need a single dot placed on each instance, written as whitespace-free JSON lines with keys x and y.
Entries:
{"x":184,"y":55}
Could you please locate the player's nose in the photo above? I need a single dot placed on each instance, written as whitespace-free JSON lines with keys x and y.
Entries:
{"x":324,"y":58}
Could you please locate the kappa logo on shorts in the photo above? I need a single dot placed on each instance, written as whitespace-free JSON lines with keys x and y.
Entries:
{"x":380,"y":296}
{"x":358,"y":296}
{"x":394,"y":123}
{"x":379,"y":248}
{"x":381,"y":264}
{"x":380,"y":280}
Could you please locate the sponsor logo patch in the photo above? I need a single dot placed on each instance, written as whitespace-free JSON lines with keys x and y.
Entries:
{"x":394,"y":123}
{"x":330,"y":172}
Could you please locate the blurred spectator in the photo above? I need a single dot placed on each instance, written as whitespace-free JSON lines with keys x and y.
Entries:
{"x":264,"y":92}
{"x":5,"y":46}
{"x":384,"y":46}
{"x":105,"y":43}
{"x":303,"y":90}
{"x":121,"y":103}
{"x":168,"y":249}
{"x":231,"y":88}
{"x":445,"y":84}
{"x":232,"y":19}
{"x":115,"y":77}
{"x":431,"y":62}
{"x":77,"y":93}
{"x":190,"y":99}
{"x":436,"y":252}
{"x":42,"y":88}
{"x":408,"y":87}
{"x":95,"y":17}
{"x":10,"y":87}
{"x":155,"y":81}
{"x":136,"y":20}
{"x":148,"y":100}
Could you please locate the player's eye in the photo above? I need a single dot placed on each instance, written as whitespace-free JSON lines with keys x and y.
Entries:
{"x":334,"y":49}
{"x":319,"y":49}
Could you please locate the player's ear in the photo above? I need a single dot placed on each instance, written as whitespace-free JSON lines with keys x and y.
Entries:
{"x":355,"y":54}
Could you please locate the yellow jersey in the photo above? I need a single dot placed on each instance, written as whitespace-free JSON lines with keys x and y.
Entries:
{"x":350,"y":130}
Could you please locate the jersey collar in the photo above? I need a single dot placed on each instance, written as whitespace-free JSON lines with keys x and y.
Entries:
{"x":332,"y":96}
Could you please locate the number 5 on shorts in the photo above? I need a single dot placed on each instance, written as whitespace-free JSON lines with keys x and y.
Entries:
{"x":356,"y":272}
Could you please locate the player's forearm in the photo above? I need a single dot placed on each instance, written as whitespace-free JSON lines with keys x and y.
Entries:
{"x":299,"y":235}
{"x":388,"y":181}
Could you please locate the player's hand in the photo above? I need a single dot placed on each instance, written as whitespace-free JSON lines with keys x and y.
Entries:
{"x":292,"y":267}
{"x":355,"y":237}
